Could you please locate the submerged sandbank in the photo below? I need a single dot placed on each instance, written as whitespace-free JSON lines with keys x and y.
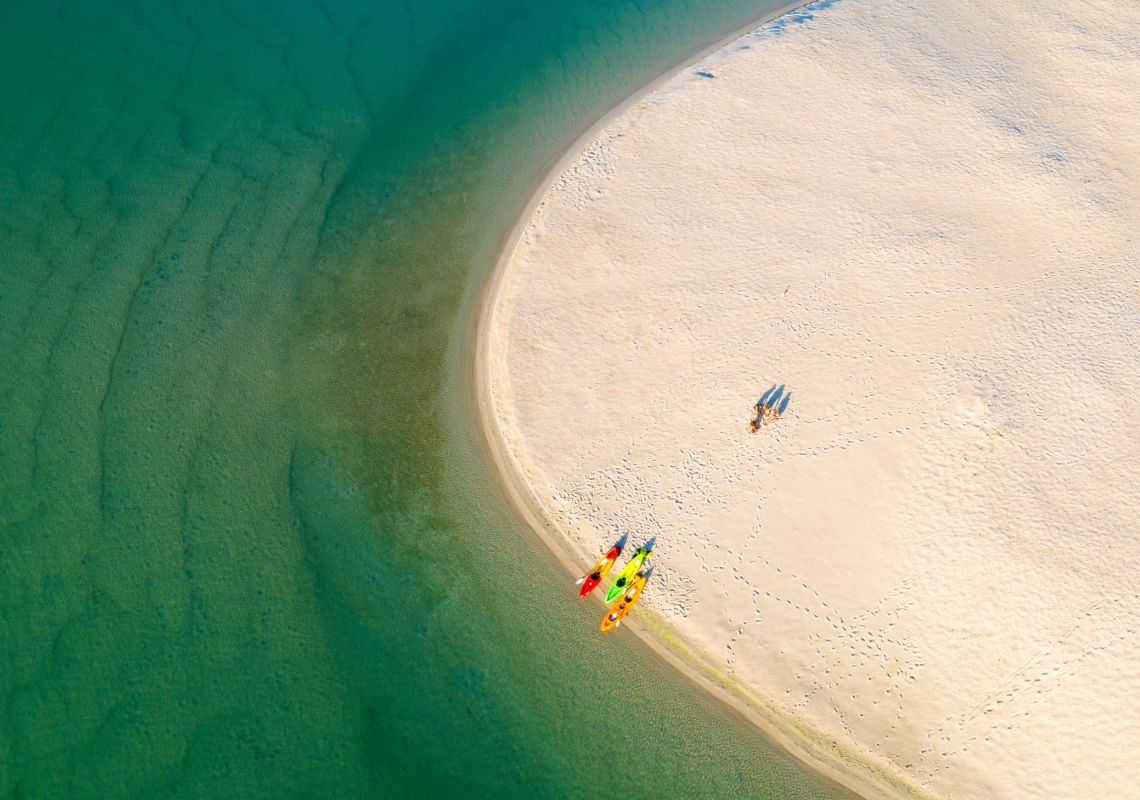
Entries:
{"x":923,"y":222}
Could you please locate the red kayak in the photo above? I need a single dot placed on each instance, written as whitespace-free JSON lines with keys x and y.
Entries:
{"x":592,"y":578}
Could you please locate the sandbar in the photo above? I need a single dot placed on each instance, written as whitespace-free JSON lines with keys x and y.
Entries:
{"x":922,"y":222}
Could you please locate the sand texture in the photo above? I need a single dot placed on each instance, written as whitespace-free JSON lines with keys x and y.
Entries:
{"x":924,"y":220}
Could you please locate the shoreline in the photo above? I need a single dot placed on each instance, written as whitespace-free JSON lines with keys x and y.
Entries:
{"x":953,"y":220}
{"x":812,"y":748}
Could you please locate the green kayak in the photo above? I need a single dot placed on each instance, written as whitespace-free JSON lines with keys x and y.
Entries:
{"x":627,"y":573}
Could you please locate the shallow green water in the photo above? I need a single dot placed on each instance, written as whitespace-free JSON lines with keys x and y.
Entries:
{"x":248,"y":544}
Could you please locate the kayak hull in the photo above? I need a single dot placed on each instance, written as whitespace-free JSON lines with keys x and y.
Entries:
{"x":625,"y":577}
{"x":594,"y":577}
{"x":623,"y":606}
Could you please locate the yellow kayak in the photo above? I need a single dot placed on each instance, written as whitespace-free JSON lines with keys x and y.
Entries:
{"x":627,"y":572}
{"x":623,"y":605}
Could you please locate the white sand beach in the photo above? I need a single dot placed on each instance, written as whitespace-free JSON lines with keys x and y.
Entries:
{"x":924,"y":221}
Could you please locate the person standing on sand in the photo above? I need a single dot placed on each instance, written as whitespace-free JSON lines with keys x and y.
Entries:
{"x":766,"y":411}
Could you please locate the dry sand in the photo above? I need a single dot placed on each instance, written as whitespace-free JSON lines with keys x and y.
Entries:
{"x":924,"y":219}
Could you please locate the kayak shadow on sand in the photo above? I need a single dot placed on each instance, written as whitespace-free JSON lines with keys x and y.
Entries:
{"x":649,"y":543}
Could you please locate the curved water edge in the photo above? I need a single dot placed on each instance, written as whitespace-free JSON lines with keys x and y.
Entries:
{"x":813,"y":748}
{"x":247,"y":553}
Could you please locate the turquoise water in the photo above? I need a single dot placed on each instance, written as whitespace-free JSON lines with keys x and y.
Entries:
{"x":249,"y":546}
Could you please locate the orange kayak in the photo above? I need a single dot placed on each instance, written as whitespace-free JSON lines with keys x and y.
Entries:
{"x":623,"y":604}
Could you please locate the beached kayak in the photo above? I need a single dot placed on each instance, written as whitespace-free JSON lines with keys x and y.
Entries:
{"x":627,"y":573}
{"x":622,"y":606}
{"x":592,"y":578}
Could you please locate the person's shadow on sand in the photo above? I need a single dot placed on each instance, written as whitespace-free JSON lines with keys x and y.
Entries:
{"x":770,"y":407}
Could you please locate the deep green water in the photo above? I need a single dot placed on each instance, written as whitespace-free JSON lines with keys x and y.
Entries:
{"x":249,"y":546}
